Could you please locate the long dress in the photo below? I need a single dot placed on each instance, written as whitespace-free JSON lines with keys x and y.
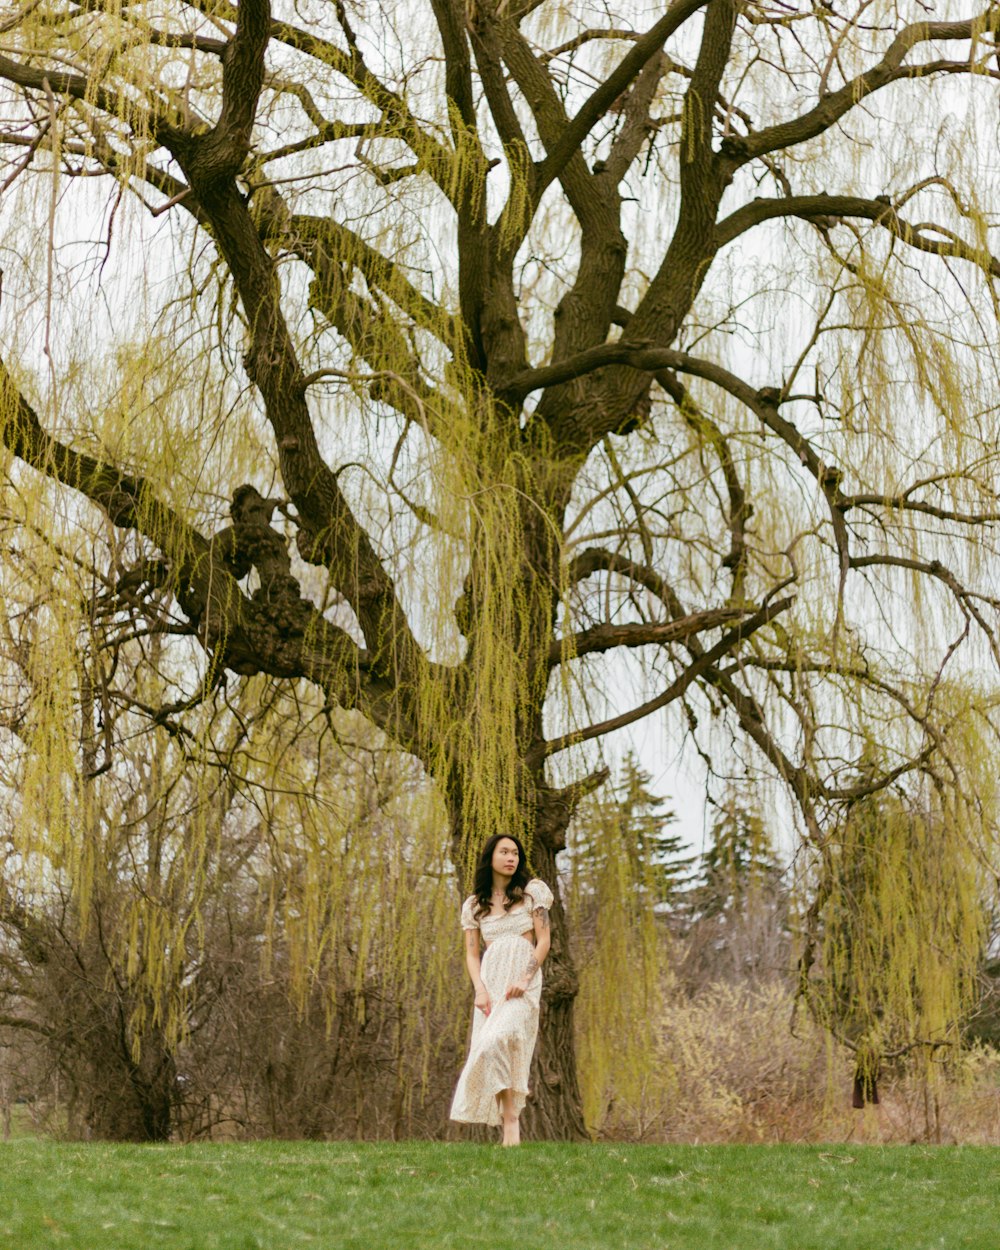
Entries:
{"x":502,"y":1042}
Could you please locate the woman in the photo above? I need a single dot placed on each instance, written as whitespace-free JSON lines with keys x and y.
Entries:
{"x":511,"y":913}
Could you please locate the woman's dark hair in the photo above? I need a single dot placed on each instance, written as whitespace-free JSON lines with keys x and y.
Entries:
{"x":482,"y":886}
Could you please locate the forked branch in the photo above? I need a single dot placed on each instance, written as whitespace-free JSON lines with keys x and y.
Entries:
{"x":697,"y":669}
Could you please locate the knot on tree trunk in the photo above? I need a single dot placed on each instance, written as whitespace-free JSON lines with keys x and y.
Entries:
{"x":561,"y":983}
{"x":250,"y":543}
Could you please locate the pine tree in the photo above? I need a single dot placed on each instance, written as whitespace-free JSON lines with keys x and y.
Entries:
{"x":626,"y":831}
{"x":644,"y":821}
{"x":735,"y":918}
{"x":739,"y":865}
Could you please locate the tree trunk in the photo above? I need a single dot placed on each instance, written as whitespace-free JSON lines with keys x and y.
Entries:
{"x":554,"y":1111}
{"x":126,"y":1099}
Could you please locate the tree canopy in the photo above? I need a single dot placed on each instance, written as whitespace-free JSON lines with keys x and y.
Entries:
{"x":555,"y":369}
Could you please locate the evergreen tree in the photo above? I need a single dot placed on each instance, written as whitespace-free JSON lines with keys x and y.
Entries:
{"x":627,"y":832}
{"x":735,"y":917}
{"x":644,"y":821}
{"x":738,"y":866}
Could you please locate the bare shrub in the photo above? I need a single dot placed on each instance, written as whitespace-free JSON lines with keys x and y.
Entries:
{"x":739,"y":1072}
{"x":338,"y":1061}
{"x":728,"y":1068}
{"x":85,"y":1041}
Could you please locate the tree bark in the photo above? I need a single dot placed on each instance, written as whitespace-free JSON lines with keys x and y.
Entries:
{"x":554,"y":1112}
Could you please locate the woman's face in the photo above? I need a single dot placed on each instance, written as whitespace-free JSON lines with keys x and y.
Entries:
{"x":505,"y":857}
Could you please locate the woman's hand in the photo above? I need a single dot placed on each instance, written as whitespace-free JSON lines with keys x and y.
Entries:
{"x":518,"y":989}
{"x":483,"y":1001}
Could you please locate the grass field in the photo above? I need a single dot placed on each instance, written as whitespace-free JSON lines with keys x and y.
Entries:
{"x":415,"y":1195}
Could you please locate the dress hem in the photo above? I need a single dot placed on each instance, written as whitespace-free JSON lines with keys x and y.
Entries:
{"x":523,"y":1094}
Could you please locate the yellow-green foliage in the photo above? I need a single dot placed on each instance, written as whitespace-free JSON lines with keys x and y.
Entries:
{"x":622,"y":956}
{"x":298,"y":812}
{"x":902,"y":924}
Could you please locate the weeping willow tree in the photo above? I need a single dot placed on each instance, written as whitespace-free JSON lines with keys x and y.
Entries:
{"x":557,"y":371}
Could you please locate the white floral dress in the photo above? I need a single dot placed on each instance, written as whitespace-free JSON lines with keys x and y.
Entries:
{"x":502,"y":1042}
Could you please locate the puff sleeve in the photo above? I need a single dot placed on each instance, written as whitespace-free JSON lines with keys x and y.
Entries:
{"x":538,"y":894}
{"x":468,"y":919}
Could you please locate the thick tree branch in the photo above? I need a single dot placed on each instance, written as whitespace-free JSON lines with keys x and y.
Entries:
{"x":605,"y":406}
{"x":77,"y":87}
{"x":620,"y":78}
{"x":180,"y":39}
{"x":492,"y":74}
{"x":221,"y":153}
{"x":243,"y":635}
{"x":329,"y":533}
{"x":588,"y":36}
{"x":636,"y":120}
{"x":828,"y":209}
{"x":837,"y":104}
{"x":550,"y":117}
{"x":128,"y":501}
{"x":639,"y":355}
{"x":473,"y":235}
{"x":597,"y":560}
{"x":606,"y":637}
{"x":450,"y":18}
{"x":319,"y":241}
{"x":906,"y":503}
{"x":396,"y":114}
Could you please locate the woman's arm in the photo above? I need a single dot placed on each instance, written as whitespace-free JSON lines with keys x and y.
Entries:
{"x":472,"y":962}
{"x":543,"y":937}
{"x":543,"y":940}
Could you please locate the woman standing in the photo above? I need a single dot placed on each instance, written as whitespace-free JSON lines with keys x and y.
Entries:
{"x":511,"y":914}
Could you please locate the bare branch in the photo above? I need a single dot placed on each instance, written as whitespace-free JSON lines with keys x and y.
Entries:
{"x":836,"y":104}
{"x":606,"y":637}
{"x":697,"y":669}
{"x":828,"y":209}
{"x":596,"y":560}
{"x":32,"y":1026}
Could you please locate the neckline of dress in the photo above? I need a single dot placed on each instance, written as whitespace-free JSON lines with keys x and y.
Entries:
{"x":490,"y":915}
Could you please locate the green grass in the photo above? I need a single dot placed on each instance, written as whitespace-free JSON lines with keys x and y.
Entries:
{"x":415,"y":1195}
